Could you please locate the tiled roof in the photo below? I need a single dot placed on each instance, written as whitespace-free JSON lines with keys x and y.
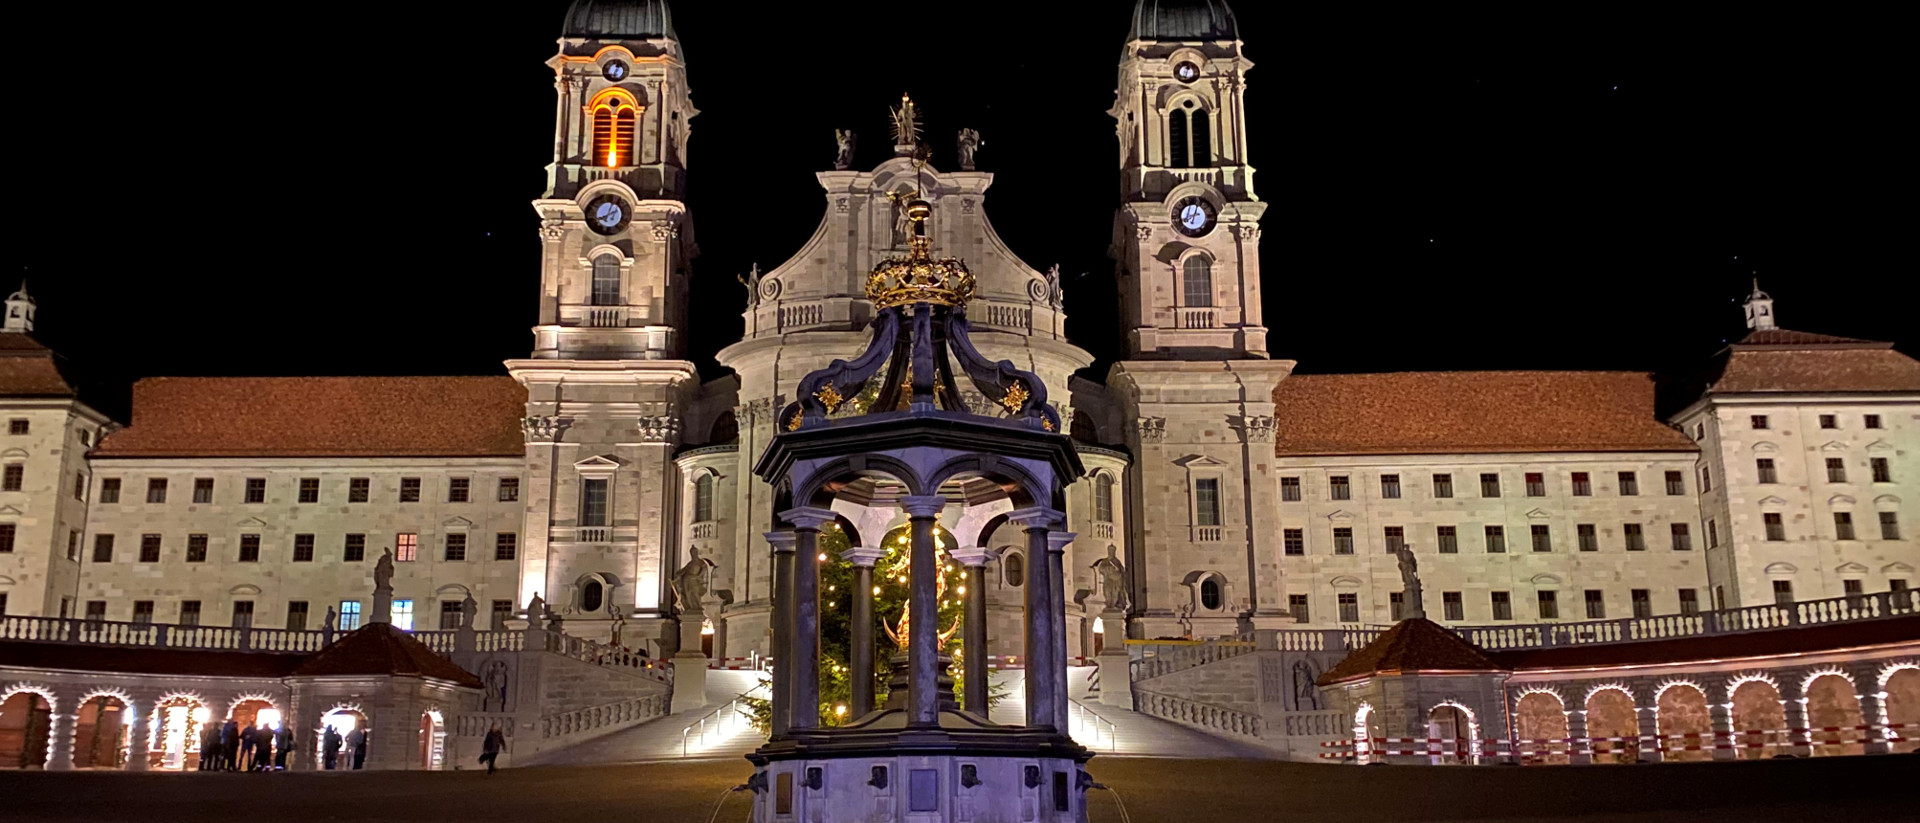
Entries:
{"x":1787,"y":337}
{"x":322,"y":417}
{"x":185,"y":662}
{"x":28,"y":369}
{"x":1778,"y":360}
{"x":379,"y":648}
{"x":1827,"y":637}
{"x":1414,"y":645}
{"x":1470,"y":413}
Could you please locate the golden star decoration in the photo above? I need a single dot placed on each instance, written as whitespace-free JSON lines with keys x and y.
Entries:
{"x":829,"y":397}
{"x":1015,"y":397}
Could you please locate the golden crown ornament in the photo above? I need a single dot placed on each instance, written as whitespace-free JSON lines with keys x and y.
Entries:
{"x":919,"y":277}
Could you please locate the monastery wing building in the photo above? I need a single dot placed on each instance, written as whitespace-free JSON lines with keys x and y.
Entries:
{"x":1222,"y":494}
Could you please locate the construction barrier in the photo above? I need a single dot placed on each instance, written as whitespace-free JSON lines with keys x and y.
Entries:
{"x":1689,"y":742}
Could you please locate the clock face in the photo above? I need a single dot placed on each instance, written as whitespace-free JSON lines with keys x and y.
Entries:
{"x":607,"y":214}
{"x":1187,"y":72}
{"x":1193,"y":216}
{"x":615,"y":71}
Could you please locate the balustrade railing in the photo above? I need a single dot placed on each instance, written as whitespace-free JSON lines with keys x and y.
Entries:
{"x":593,"y":534}
{"x":1845,"y":609}
{"x":1198,"y":318}
{"x":704,"y":530}
{"x":1196,"y":713}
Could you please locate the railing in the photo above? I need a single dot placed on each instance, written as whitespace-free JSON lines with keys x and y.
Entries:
{"x":1103,"y":531}
{"x":1013,"y":317}
{"x":704,"y":530}
{"x":580,"y":721}
{"x":1322,"y":724}
{"x":606,"y":317}
{"x":1198,"y":318}
{"x":1091,"y":722}
{"x":611,"y":657}
{"x":1845,"y":609}
{"x":593,"y":534}
{"x":802,"y":314}
{"x":1172,"y":658}
{"x":717,"y":720}
{"x":1195,"y":713}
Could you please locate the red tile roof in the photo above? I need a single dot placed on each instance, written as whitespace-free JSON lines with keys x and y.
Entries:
{"x":1470,"y":413}
{"x":184,"y":662}
{"x":28,"y":369}
{"x":1411,"y":646}
{"x":322,"y":417}
{"x":1779,"y":360}
{"x":1822,"y":638}
{"x":381,"y":649}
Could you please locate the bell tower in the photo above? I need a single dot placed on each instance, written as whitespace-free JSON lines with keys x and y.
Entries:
{"x":606,"y":381}
{"x":1187,"y":234}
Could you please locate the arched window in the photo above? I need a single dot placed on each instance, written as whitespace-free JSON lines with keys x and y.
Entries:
{"x":1202,"y":140}
{"x":1189,"y":137}
{"x":613,"y":119}
{"x":1103,"y":497}
{"x":1197,"y":281}
{"x":1177,"y":139}
{"x":1210,"y":594}
{"x":606,"y":280}
{"x":593,"y":594}
{"x":703,"y":498}
{"x":1016,"y":570}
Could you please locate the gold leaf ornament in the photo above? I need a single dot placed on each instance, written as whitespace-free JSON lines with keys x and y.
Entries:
{"x":1015,"y":397}
{"x":829,"y":397}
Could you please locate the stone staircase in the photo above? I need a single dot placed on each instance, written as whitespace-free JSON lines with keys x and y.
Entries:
{"x":1116,"y":731}
{"x":676,"y":736}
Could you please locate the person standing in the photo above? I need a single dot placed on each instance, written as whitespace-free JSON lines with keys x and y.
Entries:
{"x":209,"y":746}
{"x":357,"y":747}
{"x":282,"y":743}
{"x":244,"y":753}
{"x":330,"y":748}
{"x":490,"y":747}
{"x":230,"y":745}
{"x":263,"y":749}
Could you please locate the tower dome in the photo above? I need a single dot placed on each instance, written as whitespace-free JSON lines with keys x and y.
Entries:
{"x":1183,"y":20}
{"x":619,"y":20}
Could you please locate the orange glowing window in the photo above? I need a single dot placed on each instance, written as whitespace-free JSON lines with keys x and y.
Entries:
{"x":613,"y":121}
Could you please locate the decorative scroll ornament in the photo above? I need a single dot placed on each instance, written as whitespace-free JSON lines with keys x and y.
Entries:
{"x":918,"y":277}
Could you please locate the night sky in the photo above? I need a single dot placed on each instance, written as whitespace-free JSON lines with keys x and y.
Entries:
{"x":315,"y":192}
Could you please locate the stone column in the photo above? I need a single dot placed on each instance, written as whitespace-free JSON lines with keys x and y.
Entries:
{"x":1793,"y":702}
{"x":139,"y":728}
{"x":1042,"y":629}
{"x":65,"y":716}
{"x":781,"y":620}
{"x":1057,"y":543}
{"x":1579,"y":748}
{"x":860,"y":645}
{"x":923,"y":627}
{"x":1652,"y":747}
{"x":1720,"y":708}
{"x":974,"y":633}
{"x":1872,"y":709}
{"x":805,"y":685}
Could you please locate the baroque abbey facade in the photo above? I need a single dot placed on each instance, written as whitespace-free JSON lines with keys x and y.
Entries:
{"x":1234,"y":495}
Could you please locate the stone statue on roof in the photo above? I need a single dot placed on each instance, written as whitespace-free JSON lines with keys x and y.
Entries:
{"x":1113,"y":580}
{"x":691,"y":581}
{"x":846,"y":140}
{"x":383,"y":571}
{"x":969,"y":143}
{"x":1410,"y":582}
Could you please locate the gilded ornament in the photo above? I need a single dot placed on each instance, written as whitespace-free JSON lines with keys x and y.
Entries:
{"x":829,"y":397}
{"x":793,"y":423}
{"x":1015,"y":397}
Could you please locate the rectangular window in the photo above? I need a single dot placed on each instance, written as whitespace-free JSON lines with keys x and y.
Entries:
{"x":1589,"y":537}
{"x":196,"y":548}
{"x":509,"y":489}
{"x":189,"y":612}
{"x":1582,"y":484}
{"x":157,"y":490}
{"x":1349,"y":607}
{"x":1783,"y":592}
{"x":1297,"y":605}
{"x":406,"y":547}
{"x":1597,"y":604}
{"x":457,"y":489}
{"x":1396,"y":537}
{"x":1496,"y":539}
{"x":1872,"y":421}
{"x":355,"y":549}
{"x":506,"y":546}
{"x":1629,"y":484}
{"x":359,"y":489}
{"x":103,"y":548}
{"x":96,"y":610}
{"x":1894,"y":584}
{"x":303,"y":548}
{"x":1758,"y":421}
{"x":1713,"y":534}
{"x":1536,"y":484}
{"x":1764,"y":465}
{"x":1836,"y":470}
{"x":1443,"y":485}
{"x":1677,"y":483}
{"x":1828,"y":421}
{"x":249,"y":548}
{"x":109,"y":489}
{"x":203,"y":490}
{"x":242,"y":614}
{"x":1396,"y":606}
{"x":1642,"y":603}
{"x":1843,"y":525}
{"x":349,"y":615}
{"x":502,"y":612}
{"x":143,"y":612}
{"x":1294,"y":540}
{"x":73,"y":545}
{"x":256,"y":490}
{"x":409,"y":489}
{"x":149,"y":548}
{"x":309,"y":489}
{"x":403,"y":615}
{"x":1854,"y":591}
{"x":18,"y":426}
{"x":1636,"y":541}
{"x":1542,"y":538}
{"x":1889,"y":526}
{"x":1882,"y":470}
{"x":1682,"y":541}
{"x":1448,"y":538}
{"x":1776,"y":529}
{"x":8,"y":532}
{"x":593,"y":500}
{"x":296,"y":615}
{"x":1706,"y":480}
{"x":13,"y":477}
{"x":1343,"y":540}
{"x":1549,"y":603}
{"x":456,"y":547}
{"x":1490,"y":485}
{"x":1452,"y":607}
{"x":1390,"y":486}
{"x":1689,"y":601}
{"x":1206,"y":502}
{"x":79,"y":485}
{"x":1290,"y":489}
{"x":1502,"y":606}
{"x":1338,"y":489}
{"x":449,"y":615}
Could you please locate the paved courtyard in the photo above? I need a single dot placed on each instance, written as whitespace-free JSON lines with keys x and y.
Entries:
{"x":1187,"y":791}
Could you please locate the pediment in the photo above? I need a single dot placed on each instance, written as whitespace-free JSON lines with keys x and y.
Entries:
{"x":1896,"y":568}
{"x":244,"y":589}
{"x":1841,"y":500}
{"x":1764,"y":447}
{"x":1198,"y":461}
{"x":1341,"y":516}
{"x":1851,"y":568}
{"x":1538,"y":514}
{"x":1781,"y":568}
{"x":11,"y":510}
{"x":598,"y":461}
{"x":456,"y":523}
{"x":1833,"y":446}
{"x":252,"y":523}
{"x":453,"y":588}
{"x":6,"y":581}
{"x":1346,"y":582}
{"x":14,"y":454}
{"x":1545,"y":580}
{"x":1880,"y":446}
{"x":1771,"y":500}
{"x":1886,"y":501}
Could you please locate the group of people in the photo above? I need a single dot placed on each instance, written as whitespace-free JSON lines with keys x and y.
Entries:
{"x":334,"y":756}
{"x":226,"y":747}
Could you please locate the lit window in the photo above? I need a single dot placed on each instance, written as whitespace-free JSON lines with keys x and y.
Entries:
{"x":406,"y":547}
{"x":613,"y":119}
{"x":403,"y":615}
{"x":349,"y":615}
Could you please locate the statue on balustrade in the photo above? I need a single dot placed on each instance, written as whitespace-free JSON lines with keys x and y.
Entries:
{"x":691,"y":581}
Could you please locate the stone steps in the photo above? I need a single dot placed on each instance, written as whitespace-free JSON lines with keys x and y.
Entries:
{"x":727,"y":735}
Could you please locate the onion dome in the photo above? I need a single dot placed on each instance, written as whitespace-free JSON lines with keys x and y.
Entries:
{"x":1183,"y":20}
{"x":619,"y":20}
